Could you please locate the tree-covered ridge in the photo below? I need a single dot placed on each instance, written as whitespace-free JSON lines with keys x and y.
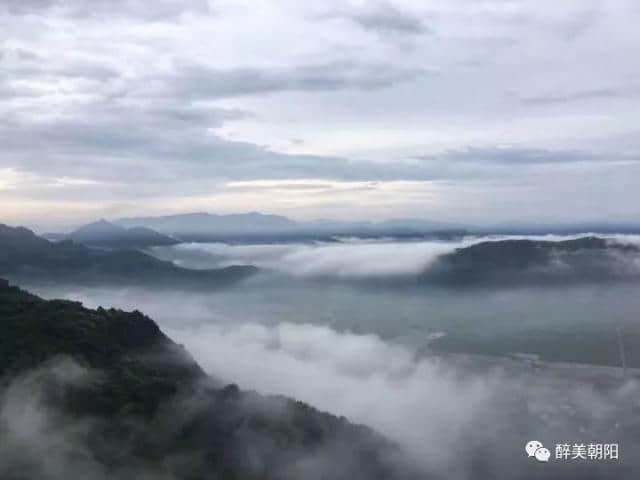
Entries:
{"x":135,"y":405}
{"x":518,"y":261}
{"x":143,"y":364}
{"x":24,"y":256}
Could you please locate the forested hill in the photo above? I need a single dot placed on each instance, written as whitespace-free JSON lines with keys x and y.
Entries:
{"x":104,"y":394}
{"x":518,"y":261}
{"x":24,"y":256}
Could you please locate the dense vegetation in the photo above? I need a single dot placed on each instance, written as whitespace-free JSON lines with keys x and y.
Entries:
{"x":144,"y":407}
{"x":517,"y":261}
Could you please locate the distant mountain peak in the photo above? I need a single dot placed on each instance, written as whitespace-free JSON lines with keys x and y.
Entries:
{"x":107,"y":234}
{"x":202,"y":223}
{"x":102,"y":223}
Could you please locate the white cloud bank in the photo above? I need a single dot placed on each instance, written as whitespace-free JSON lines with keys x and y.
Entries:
{"x":441,"y":411}
{"x":342,"y":259}
{"x":349,"y":258}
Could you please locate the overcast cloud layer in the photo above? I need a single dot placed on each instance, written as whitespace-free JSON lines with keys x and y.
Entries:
{"x":467,"y":111}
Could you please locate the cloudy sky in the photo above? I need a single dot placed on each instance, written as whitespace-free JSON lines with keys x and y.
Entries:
{"x":461,"y":110}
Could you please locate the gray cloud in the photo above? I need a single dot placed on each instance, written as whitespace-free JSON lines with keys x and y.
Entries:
{"x":141,"y":149}
{"x":205,"y":82}
{"x":581,"y":23}
{"x":172,"y":98}
{"x":384,"y":18}
{"x":603,"y":93}
{"x":157,"y":10}
{"x":26,"y":6}
{"x":174,"y":142}
{"x":114,"y":128}
{"x":520,"y":156}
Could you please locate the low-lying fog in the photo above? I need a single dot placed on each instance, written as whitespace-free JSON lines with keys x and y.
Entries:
{"x":344,"y":258}
{"x":365,"y":352}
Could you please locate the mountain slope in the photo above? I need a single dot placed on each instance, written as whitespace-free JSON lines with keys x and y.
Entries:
{"x":105,"y":394}
{"x":26,"y":257}
{"x":519,"y":261}
{"x":109,"y":235}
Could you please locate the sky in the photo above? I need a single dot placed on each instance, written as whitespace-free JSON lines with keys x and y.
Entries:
{"x":482,"y":112}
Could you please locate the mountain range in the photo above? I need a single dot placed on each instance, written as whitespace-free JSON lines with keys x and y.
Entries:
{"x":260,"y":227}
{"x":142,"y":232}
{"x":201,"y":226}
{"x":200,"y":223}
{"x":24,"y":256}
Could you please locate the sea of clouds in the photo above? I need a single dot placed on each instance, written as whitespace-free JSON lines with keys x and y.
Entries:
{"x":344,"y":258}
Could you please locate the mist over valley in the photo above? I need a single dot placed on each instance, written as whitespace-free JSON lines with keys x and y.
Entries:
{"x":337,"y":240}
{"x":364,"y":330}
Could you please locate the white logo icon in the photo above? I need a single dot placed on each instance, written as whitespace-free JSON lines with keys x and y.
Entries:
{"x":543,"y":454}
{"x":535,"y":449}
